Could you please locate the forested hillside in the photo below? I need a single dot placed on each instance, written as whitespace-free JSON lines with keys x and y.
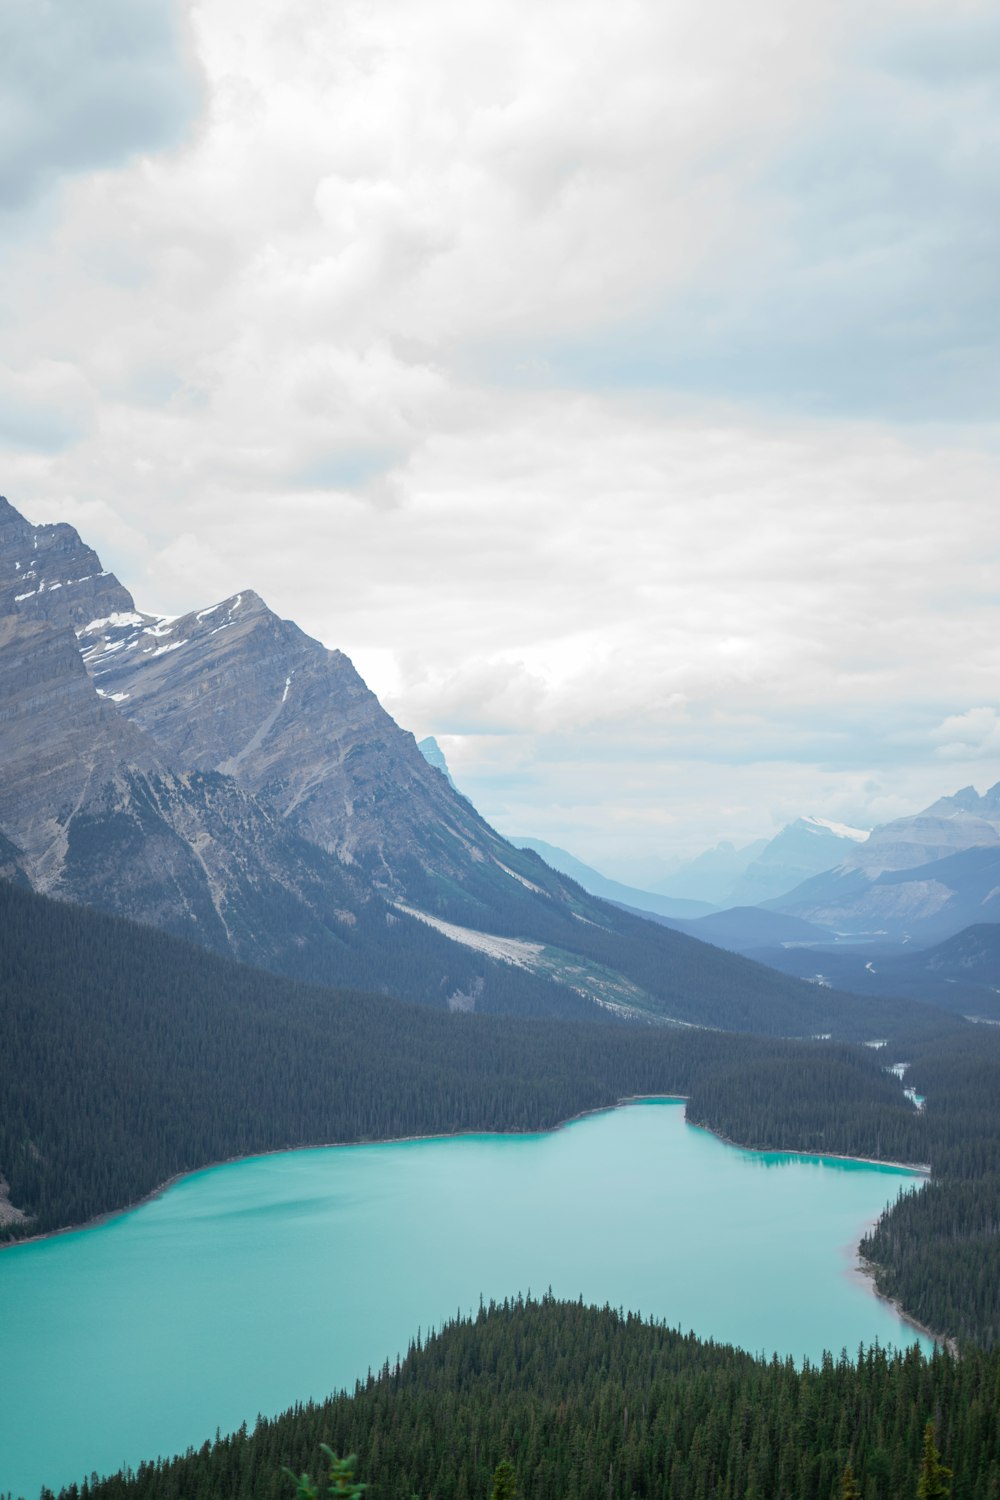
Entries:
{"x":940,"y":1256}
{"x":130,"y":1056}
{"x":590,"y":1404}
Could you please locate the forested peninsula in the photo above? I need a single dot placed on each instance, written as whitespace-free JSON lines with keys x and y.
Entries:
{"x":595,"y":1404}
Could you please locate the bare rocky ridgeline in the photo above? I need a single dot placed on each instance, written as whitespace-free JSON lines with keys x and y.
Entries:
{"x":48,"y":573}
{"x":227,"y":778}
{"x":221,"y":775}
{"x":235,"y":689}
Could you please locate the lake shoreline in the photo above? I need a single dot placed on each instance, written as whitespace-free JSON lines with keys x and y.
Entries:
{"x":371,"y":1245}
{"x":921,"y":1169}
{"x":866,"y":1271}
{"x":450,"y":1135}
{"x":862,"y":1267}
{"x":391,"y":1140}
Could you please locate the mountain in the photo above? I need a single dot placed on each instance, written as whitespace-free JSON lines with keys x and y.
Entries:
{"x":94,"y":809}
{"x":48,"y":573}
{"x":609,"y":890}
{"x":747,"y":929}
{"x":923,"y":877}
{"x":710,"y":876}
{"x":434,"y":756}
{"x":960,"y":974}
{"x":801,"y":849}
{"x":728,"y":877}
{"x":225,"y":777}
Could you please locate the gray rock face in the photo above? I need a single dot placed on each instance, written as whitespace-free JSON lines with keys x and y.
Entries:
{"x":235,"y":689}
{"x":58,"y":741}
{"x":96,"y":815}
{"x":907,"y":843}
{"x":235,"y":801}
{"x":48,"y":573}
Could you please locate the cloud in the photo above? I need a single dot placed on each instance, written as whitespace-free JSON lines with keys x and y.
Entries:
{"x":613,"y":382}
{"x":85,"y":86}
{"x":863,"y":273}
{"x":45,"y":406}
{"x":973,"y":735}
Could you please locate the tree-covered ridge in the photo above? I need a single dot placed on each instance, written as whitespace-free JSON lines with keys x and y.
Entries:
{"x":591,"y":1404}
{"x":940,"y":1257}
{"x":130,"y":1056}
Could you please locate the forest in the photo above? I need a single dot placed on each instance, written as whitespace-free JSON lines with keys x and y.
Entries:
{"x":596,"y":1404}
{"x":131,"y":1056}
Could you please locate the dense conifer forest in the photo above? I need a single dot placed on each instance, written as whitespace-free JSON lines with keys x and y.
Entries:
{"x":591,"y":1404}
{"x":940,"y":1256}
{"x":130,"y":1056}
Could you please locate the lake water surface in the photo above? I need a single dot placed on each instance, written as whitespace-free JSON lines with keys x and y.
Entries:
{"x":249,"y":1286}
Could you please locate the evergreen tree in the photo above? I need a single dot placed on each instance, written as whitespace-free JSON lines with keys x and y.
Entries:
{"x":504,"y":1481}
{"x":935,"y":1480}
{"x":341,"y":1485}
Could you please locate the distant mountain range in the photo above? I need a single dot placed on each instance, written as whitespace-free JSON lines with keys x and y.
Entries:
{"x":721,"y":877}
{"x":610,"y":890}
{"x":919,"y":878}
{"x":727,"y":876}
{"x":801,"y":849}
{"x":226,"y":778}
{"x":926,"y":882}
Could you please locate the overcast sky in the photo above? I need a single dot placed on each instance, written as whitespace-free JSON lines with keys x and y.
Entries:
{"x":616,"y":383}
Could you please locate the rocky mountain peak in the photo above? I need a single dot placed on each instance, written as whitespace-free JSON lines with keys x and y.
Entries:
{"x":49,"y":573}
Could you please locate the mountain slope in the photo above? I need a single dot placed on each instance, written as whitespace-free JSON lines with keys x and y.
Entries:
{"x":212,"y":1059}
{"x":609,"y":890}
{"x":960,"y":974}
{"x":801,"y":849}
{"x":926,"y":902}
{"x":709,"y":876}
{"x":228,"y":778}
{"x":235,"y":689}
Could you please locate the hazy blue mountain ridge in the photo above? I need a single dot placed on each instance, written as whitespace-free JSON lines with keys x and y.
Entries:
{"x":609,"y":890}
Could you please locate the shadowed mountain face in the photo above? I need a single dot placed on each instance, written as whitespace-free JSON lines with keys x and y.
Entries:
{"x":611,"y":890}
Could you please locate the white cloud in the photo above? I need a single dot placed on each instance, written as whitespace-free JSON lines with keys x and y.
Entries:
{"x":449,"y":328}
{"x":973,"y":735}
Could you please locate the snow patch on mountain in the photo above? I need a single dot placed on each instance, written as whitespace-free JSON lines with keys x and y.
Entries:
{"x":840,"y":830}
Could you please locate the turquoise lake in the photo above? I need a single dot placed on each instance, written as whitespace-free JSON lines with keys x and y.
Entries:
{"x":249,"y":1286}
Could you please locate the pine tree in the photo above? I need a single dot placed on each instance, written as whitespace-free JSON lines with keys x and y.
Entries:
{"x":935,"y":1479}
{"x":342,"y":1482}
{"x":849,"y":1486}
{"x":504,"y":1481}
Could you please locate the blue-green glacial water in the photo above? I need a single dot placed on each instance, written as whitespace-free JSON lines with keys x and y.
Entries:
{"x":249,"y":1286}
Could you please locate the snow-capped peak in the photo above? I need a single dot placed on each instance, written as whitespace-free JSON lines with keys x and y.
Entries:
{"x":840,"y":830}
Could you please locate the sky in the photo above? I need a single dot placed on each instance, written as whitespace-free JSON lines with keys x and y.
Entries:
{"x":616,"y":384}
